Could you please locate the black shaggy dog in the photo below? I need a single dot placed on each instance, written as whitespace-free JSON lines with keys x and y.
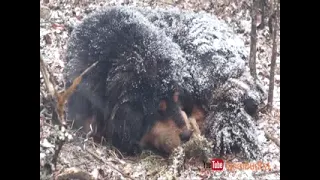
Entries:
{"x":144,"y":54}
{"x":138,"y":66}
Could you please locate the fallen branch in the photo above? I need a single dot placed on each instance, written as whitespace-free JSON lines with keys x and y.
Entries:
{"x":60,"y":98}
{"x":52,"y":92}
{"x":57,"y":101}
{"x":63,"y":96}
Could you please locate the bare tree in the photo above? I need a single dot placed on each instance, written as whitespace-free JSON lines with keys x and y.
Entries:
{"x":253,"y":39}
{"x":274,"y":23}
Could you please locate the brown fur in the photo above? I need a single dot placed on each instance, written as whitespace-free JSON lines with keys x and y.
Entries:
{"x":196,"y":119}
{"x":163,"y":107}
{"x":165,"y":136}
{"x":185,"y":118}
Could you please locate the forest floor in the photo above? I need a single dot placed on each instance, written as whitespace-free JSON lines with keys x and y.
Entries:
{"x":103,"y":162}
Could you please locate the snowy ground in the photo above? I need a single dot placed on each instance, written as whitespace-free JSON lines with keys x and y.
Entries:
{"x":56,"y":19}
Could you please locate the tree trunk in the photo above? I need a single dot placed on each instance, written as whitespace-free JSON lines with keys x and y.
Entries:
{"x":273,"y":58}
{"x":262,"y":7}
{"x":253,"y":39}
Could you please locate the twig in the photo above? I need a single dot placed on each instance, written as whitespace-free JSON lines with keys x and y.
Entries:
{"x":275,"y":140}
{"x":49,"y":82}
{"x":107,"y":163}
{"x":50,"y":75}
{"x":45,"y":74}
{"x":60,"y":98}
{"x":58,"y":146}
{"x":43,"y":94}
{"x":115,"y":149}
{"x":63,"y":96}
{"x":89,"y":68}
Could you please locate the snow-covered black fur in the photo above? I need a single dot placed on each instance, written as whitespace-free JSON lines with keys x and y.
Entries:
{"x":143,"y":51}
